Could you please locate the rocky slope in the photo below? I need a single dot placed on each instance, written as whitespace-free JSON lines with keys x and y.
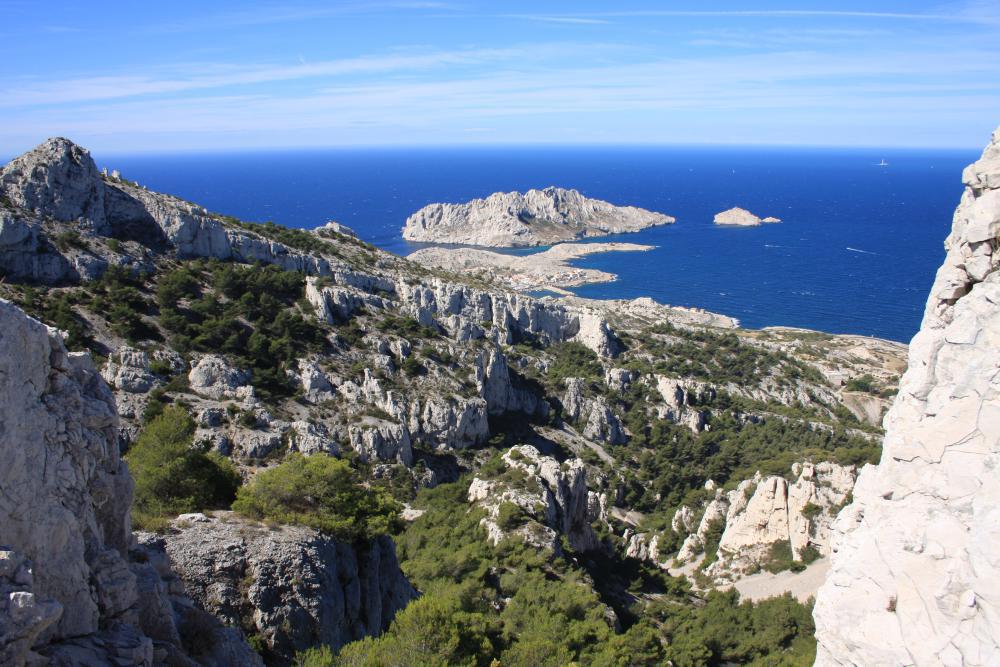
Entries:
{"x":75,"y":587}
{"x":915,"y":571}
{"x":536,"y":217}
{"x":587,"y":423}
{"x":741,"y":217}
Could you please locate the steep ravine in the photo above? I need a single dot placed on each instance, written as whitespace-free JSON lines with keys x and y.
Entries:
{"x":915,"y":576}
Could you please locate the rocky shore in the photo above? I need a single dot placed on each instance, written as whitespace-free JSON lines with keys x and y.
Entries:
{"x":548,"y":270}
{"x":533,"y":218}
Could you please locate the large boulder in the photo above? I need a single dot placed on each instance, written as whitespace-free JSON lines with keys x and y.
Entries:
{"x":291,"y":586}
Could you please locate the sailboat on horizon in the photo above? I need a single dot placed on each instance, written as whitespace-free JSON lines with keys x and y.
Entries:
{"x":883,"y":163}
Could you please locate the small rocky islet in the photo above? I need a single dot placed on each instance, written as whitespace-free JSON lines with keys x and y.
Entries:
{"x":490,"y":446}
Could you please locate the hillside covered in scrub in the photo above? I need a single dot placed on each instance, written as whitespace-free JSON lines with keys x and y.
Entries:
{"x":391,"y":464}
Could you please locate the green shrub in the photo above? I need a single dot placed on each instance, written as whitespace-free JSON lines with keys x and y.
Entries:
{"x":412,"y":367}
{"x":161,"y":367}
{"x":777,"y":631}
{"x":573,"y":359}
{"x":171,"y":476}
{"x":321,"y":492}
{"x":864,"y":383}
{"x":67,"y":239}
{"x":319,"y":656}
{"x":510,"y":516}
{"x":249,"y":313}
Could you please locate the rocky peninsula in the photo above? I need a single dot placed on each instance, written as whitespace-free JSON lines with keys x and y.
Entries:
{"x":548,"y":270}
{"x":532,"y":218}
{"x":740,"y":217}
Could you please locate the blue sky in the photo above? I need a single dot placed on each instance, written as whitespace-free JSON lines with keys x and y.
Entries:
{"x":131,"y":77}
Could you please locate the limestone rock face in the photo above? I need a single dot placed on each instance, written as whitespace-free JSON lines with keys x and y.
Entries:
{"x":70,"y":591}
{"x":65,"y":489}
{"x":763,"y":511}
{"x":128,"y":370}
{"x":378,"y":440}
{"x":915,"y":575}
{"x":296,"y":587}
{"x":214,"y":377}
{"x":58,"y":179}
{"x":25,"y":255}
{"x":553,"y":501}
{"x":679,"y":400}
{"x":741,"y":217}
{"x":493,"y":380}
{"x":536,"y":217}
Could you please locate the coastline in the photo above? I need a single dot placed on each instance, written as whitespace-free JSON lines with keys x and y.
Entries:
{"x":549,"y":270}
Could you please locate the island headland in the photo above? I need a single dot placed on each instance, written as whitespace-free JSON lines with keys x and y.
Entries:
{"x":533,"y":218}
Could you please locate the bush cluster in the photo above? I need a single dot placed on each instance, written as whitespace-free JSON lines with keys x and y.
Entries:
{"x":172,"y":476}
{"x":247,"y":312}
{"x":320,"y":492}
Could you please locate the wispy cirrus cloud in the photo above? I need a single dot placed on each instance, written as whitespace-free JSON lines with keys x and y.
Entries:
{"x":543,"y":18}
{"x":197,"y":76}
{"x":760,"y":87}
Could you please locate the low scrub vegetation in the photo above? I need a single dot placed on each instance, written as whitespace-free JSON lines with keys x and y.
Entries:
{"x":320,"y":492}
{"x":172,"y":476}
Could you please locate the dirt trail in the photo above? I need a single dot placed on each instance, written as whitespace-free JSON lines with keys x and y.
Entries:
{"x":802,"y":585}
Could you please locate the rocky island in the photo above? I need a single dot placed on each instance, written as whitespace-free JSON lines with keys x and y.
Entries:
{"x":548,"y":270}
{"x":740,"y":217}
{"x":536,"y":217}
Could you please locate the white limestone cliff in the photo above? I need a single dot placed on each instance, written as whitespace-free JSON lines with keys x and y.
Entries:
{"x":536,"y":217}
{"x":915,"y":576}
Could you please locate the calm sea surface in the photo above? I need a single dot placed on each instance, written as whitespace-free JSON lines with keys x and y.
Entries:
{"x":856,"y":253}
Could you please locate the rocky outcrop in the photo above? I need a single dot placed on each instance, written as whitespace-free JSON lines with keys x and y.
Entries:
{"x":762,"y":512}
{"x":915,"y":575}
{"x":599,"y":421}
{"x":680,"y":401}
{"x":551,"y":500}
{"x":766,"y":511}
{"x":128,"y":370}
{"x":741,"y":217}
{"x":69,"y":589}
{"x":502,"y":391}
{"x":379,"y":440}
{"x":57,"y":179}
{"x":536,"y":217}
{"x":214,"y":377}
{"x":292,"y":587}
{"x":25,"y":254}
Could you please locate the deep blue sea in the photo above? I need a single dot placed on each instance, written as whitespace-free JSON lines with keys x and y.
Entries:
{"x":856,"y":253}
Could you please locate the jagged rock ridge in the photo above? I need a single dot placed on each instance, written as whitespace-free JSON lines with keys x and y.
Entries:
{"x":915,"y":576}
{"x":536,"y":217}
